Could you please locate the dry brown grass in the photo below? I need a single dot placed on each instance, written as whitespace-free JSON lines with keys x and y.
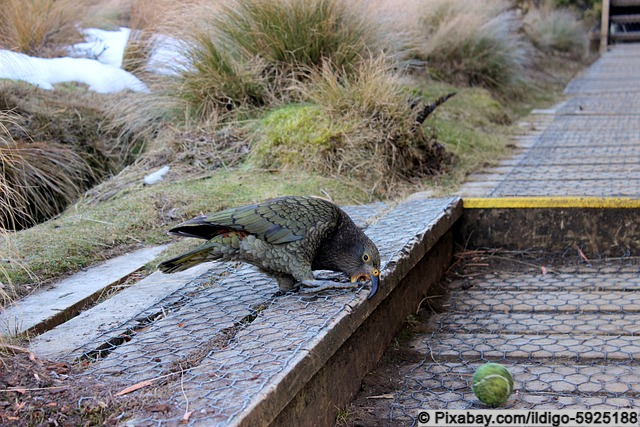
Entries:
{"x":8,"y":198}
{"x":464,"y":42}
{"x":39,"y":178}
{"x":39,"y":27}
{"x":55,"y":145}
{"x":557,"y":31}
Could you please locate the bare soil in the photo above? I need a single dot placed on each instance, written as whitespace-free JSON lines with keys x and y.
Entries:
{"x":38,"y":392}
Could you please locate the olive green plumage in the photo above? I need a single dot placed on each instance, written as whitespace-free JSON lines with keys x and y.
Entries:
{"x":286,"y":237}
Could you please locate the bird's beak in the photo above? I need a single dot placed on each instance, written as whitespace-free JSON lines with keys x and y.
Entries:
{"x":375,"y":280}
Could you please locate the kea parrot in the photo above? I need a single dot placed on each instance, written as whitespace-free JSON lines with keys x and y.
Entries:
{"x":287,"y":238}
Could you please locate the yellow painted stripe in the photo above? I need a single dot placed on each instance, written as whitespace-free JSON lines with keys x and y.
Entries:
{"x":550,"y":202}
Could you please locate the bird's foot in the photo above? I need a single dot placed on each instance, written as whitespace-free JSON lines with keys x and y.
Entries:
{"x":324,"y":285}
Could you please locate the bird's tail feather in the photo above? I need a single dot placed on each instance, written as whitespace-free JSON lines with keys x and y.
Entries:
{"x":187,"y":260}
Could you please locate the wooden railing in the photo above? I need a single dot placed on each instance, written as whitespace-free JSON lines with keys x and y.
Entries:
{"x":620,"y":22}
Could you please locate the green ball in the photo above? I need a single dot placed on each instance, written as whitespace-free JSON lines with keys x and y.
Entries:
{"x":492,"y":383}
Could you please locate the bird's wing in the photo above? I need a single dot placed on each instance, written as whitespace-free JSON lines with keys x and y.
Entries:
{"x":277,"y":221}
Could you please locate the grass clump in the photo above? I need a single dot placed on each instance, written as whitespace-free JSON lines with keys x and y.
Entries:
{"x":39,"y":27}
{"x":361,"y":125}
{"x":473,"y":128}
{"x":298,"y":136}
{"x":476,"y":43}
{"x":53,"y":147}
{"x":292,"y":35}
{"x":557,"y":31}
{"x":38,"y":178}
{"x":247,"y":55}
{"x":218,"y":83}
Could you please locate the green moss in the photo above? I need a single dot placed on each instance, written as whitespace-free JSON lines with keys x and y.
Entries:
{"x":473,"y":126}
{"x":470,"y":106}
{"x":296,"y":136}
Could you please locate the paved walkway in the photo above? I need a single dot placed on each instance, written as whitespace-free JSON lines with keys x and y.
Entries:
{"x":567,"y":332}
{"x":588,"y":145}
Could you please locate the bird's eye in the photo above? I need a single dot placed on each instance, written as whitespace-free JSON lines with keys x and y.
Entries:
{"x":366,"y":257}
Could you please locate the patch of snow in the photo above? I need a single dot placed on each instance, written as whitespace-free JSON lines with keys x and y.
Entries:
{"x":105,"y":46}
{"x":46,"y":72}
{"x":168,"y":56}
{"x":156,"y":176}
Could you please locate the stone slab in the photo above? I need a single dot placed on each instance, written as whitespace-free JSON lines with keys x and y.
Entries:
{"x":580,"y":278}
{"x":117,"y":310}
{"x":559,"y":301}
{"x":549,"y":347}
{"x":490,"y":322}
{"x":49,"y":307}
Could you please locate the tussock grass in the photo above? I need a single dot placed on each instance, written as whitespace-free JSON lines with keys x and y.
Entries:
{"x":39,"y":27}
{"x":54,"y":146}
{"x":45,"y":178}
{"x":557,"y":31}
{"x":294,"y":34}
{"x":218,"y":84}
{"x":39,"y":178}
{"x":470,"y":42}
{"x":361,"y":125}
{"x":248,"y":53}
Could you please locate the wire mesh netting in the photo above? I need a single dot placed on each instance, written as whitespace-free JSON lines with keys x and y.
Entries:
{"x":568,"y":336}
{"x":569,"y":157}
{"x":615,"y":71}
{"x":222,"y":342}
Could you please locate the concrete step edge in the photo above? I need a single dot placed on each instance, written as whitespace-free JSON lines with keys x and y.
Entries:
{"x":47,"y":308}
{"x":488,"y":322}
{"x":578,"y":347}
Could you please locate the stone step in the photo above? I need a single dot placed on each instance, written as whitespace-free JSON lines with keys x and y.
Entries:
{"x":489,"y":322}
{"x":622,"y":279}
{"x":246,"y":355}
{"x":627,"y":36}
{"x":602,"y":103}
{"x":579,"y":348}
{"x":597,"y":85}
{"x":126,"y":311}
{"x":626,"y":18}
{"x":574,"y":187}
{"x":50,"y":307}
{"x":557,"y":301}
{"x":594,"y":124}
{"x":447,"y":385}
{"x":552,"y":172}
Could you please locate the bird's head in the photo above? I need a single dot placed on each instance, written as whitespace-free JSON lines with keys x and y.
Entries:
{"x":365,"y":264}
